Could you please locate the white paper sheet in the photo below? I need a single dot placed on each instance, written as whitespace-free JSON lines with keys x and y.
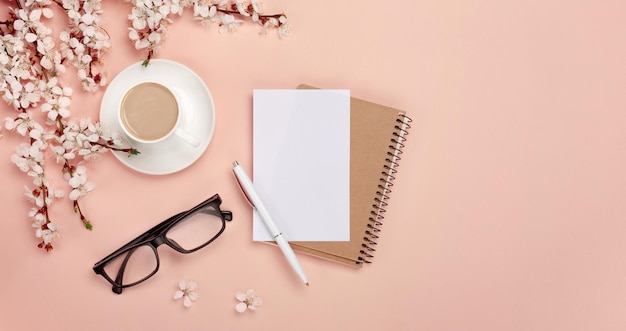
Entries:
{"x":301,"y":163}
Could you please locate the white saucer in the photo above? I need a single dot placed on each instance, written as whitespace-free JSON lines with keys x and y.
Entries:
{"x":172,"y":154}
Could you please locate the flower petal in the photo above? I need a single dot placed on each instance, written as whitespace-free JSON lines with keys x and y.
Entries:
{"x":178,"y":295}
{"x":240,"y":296}
{"x":241,"y":307}
{"x":47,"y":13}
{"x":193,"y":296}
{"x":257,"y":301}
{"x":30,"y":37}
{"x":187,"y":302}
{"x":19,"y":25}
{"x":181,"y":285}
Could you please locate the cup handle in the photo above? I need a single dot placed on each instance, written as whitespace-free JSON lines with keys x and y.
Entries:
{"x":188,"y":138}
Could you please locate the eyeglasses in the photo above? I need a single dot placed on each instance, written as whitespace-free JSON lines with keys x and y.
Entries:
{"x":185,"y":232}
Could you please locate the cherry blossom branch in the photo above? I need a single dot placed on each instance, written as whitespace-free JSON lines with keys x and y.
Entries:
{"x":28,"y":79}
{"x":33,"y":60}
{"x":42,"y":196}
{"x":128,"y":150}
{"x":150,"y":19}
{"x":85,"y":42}
{"x":29,"y":158}
{"x":47,"y":231}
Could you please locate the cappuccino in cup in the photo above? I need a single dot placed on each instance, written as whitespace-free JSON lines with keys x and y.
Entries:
{"x":149,"y":112}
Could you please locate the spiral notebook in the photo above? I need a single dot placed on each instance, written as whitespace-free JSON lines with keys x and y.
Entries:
{"x":376,"y":138}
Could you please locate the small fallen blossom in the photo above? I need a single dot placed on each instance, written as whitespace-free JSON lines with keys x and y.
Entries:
{"x":249,"y":300}
{"x":187,"y":290}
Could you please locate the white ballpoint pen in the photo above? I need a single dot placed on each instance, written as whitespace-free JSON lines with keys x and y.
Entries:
{"x":253,"y":198}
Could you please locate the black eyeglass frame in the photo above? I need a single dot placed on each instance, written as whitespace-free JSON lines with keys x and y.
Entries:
{"x":155,"y":237}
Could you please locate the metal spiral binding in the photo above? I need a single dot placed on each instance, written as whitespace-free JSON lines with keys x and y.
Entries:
{"x":382,"y":194}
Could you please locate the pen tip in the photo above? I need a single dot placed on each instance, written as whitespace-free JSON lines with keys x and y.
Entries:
{"x":307,"y":283}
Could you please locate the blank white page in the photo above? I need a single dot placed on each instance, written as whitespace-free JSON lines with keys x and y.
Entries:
{"x":301,"y":163}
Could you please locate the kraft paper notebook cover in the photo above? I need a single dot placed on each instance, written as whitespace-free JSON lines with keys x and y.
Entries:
{"x":377,"y":134}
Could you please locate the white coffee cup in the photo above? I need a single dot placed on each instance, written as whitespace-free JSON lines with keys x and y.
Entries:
{"x":149,"y":112}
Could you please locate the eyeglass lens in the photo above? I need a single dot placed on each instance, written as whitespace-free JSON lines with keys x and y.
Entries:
{"x":139,"y":263}
{"x":196,"y":229}
{"x":136,"y":265}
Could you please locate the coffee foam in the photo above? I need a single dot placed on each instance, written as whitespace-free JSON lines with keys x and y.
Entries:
{"x":149,"y":111}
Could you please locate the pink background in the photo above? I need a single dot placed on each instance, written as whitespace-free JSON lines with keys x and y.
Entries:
{"x":508,"y":212}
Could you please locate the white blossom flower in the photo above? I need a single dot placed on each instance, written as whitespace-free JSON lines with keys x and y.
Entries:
{"x":21,"y":95}
{"x":187,"y":290}
{"x":35,"y":196}
{"x":207,"y":14}
{"x":242,"y":7}
{"x":61,"y":154}
{"x":4,"y":56}
{"x":78,"y":182}
{"x":39,"y":218}
{"x":229,"y":23}
{"x":138,"y":17}
{"x":119,"y":139}
{"x":22,"y":123}
{"x":284,"y":29}
{"x":28,"y":156}
{"x":176,"y":7}
{"x":257,"y":9}
{"x":48,"y":232}
{"x":201,"y":9}
{"x":257,"y":6}
{"x":21,"y":66}
{"x":91,"y":153}
{"x":56,"y":107}
{"x":29,"y":95}
{"x":249,"y":300}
